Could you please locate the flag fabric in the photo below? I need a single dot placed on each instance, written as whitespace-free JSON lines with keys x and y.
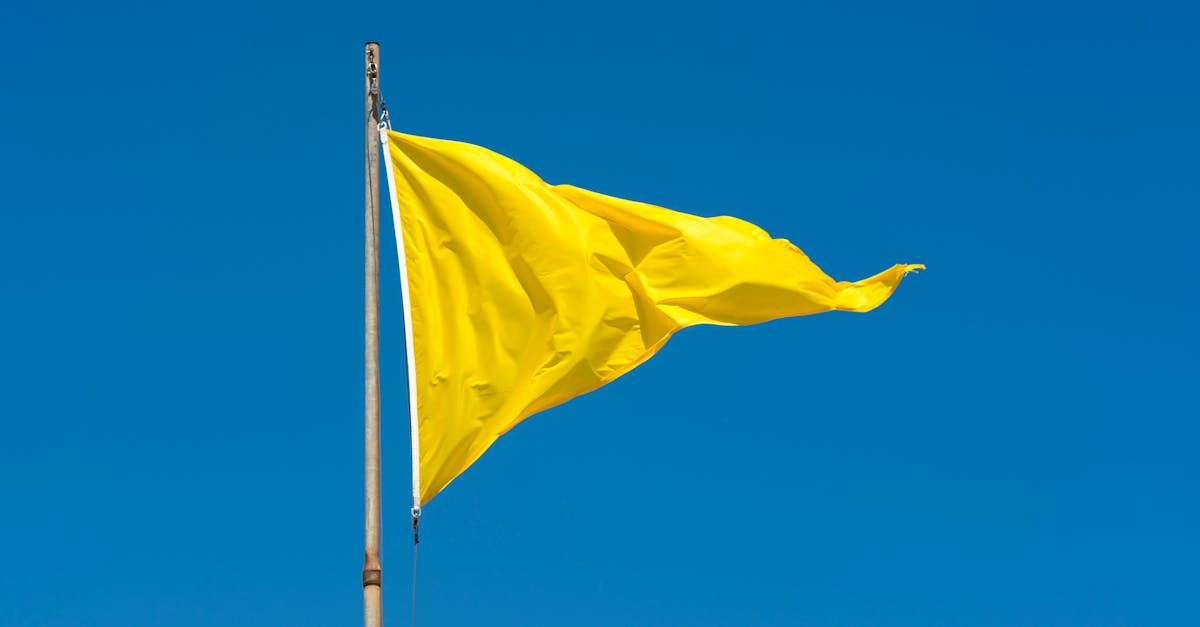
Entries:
{"x":523,"y":295}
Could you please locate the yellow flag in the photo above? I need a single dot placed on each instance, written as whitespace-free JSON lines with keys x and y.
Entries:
{"x":524,"y":295}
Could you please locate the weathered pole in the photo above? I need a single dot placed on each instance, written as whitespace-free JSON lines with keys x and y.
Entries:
{"x":372,"y":568}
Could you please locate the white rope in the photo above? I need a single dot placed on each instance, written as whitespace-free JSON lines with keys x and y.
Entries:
{"x":408,"y":327}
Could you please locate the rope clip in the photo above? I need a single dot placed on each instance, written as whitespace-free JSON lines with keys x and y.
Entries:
{"x":385,"y":122}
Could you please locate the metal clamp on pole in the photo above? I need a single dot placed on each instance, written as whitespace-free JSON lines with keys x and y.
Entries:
{"x":372,"y":577}
{"x":373,"y":77}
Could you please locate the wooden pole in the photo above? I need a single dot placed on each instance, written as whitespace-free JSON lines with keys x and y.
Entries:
{"x":372,"y":568}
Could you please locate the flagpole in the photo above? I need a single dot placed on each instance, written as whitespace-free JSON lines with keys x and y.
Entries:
{"x":372,"y":568}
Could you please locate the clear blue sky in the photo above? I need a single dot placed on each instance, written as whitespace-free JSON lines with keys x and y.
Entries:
{"x":1011,"y":440}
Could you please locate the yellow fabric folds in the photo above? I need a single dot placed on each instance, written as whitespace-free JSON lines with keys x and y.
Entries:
{"x":525,"y":294}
